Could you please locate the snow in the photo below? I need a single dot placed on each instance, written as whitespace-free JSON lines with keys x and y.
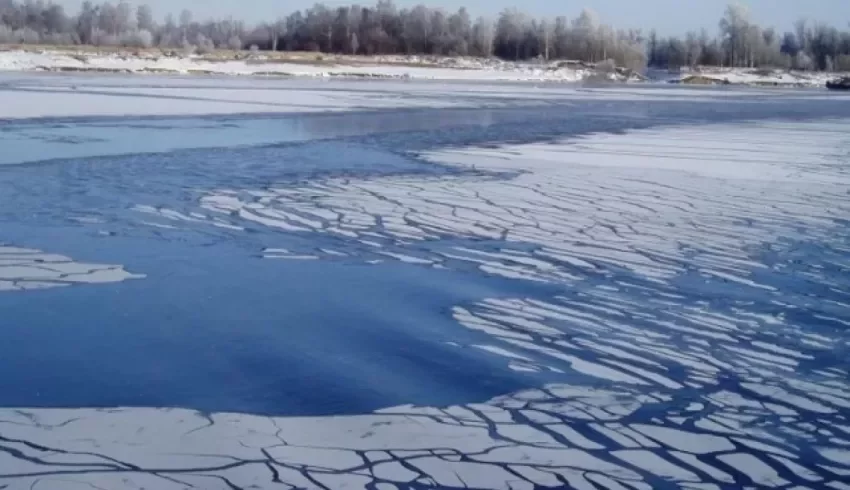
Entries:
{"x":391,"y":67}
{"x":384,"y":67}
{"x":748,"y":76}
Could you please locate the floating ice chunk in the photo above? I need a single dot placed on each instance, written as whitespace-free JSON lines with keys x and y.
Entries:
{"x":409,"y":259}
{"x":23,"y":269}
{"x":684,"y":441}
{"x":695,"y":463}
{"x":575,"y":438}
{"x":501,"y":352}
{"x":755,"y":468}
{"x":654,"y":463}
{"x":784,"y":396}
{"x":841,"y":456}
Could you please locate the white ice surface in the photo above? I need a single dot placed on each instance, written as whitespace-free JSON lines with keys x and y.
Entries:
{"x":61,"y":97}
{"x":44,"y":95}
{"x":24,"y":96}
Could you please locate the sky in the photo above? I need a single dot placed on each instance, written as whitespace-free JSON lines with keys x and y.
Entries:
{"x":667,"y":16}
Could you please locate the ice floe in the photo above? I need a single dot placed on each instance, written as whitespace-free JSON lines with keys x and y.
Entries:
{"x":24,"y":269}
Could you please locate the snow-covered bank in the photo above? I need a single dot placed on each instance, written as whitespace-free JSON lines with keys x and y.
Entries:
{"x":318,"y":66}
{"x":445,"y":68}
{"x":755,"y":77}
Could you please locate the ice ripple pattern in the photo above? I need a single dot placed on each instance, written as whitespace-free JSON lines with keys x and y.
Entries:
{"x":678,"y":354}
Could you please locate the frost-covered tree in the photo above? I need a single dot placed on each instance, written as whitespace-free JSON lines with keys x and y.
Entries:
{"x":842,"y":63}
{"x":802,"y":61}
{"x":694,"y":49}
{"x":234,"y":43}
{"x":735,"y":30}
{"x":386,"y":29}
{"x":144,"y":18}
{"x":185,"y":19}
{"x":510,"y":33}
{"x":483,"y":37}
{"x":55,"y":20}
{"x":460,"y":31}
{"x":584,"y":35}
{"x":141,"y":38}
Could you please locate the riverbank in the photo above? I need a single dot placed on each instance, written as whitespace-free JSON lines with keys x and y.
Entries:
{"x":754,"y":77}
{"x":87,"y":59}
{"x":314,"y":65}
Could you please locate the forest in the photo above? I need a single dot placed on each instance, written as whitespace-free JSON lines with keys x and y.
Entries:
{"x":387,"y":29}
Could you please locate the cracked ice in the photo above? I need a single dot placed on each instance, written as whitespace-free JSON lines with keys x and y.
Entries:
{"x":673,"y":345}
{"x":23,"y":268}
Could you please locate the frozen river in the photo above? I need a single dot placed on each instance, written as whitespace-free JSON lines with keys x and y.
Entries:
{"x":222,"y":283}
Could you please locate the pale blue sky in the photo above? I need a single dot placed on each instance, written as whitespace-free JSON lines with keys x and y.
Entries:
{"x":668,"y":16}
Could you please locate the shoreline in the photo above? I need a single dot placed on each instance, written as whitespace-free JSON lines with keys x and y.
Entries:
{"x":287,"y":65}
{"x":305,"y":65}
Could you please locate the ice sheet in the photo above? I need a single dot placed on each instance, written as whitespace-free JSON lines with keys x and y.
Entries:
{"x":624,"y":226}
{"x":471,"y":446}
{"x":43,"y":95}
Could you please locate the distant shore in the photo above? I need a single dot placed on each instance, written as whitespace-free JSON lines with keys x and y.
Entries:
{"x":87,"y":59}
{"x":293,"y":64}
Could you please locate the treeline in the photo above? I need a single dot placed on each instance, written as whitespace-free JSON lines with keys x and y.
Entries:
{"x":386,"y":29}
{"x":742,"y":43}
